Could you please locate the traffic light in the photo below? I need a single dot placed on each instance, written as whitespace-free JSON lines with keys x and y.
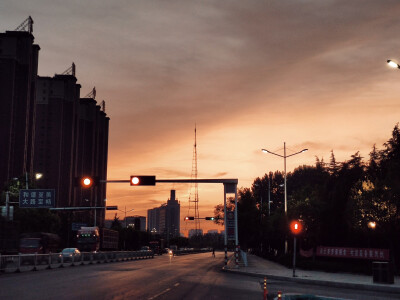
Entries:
{"x":143,"y":180}
{"x":86,"y":181}
{"x":296,"y":227}
{"x":189,"y":218}
{"x":210,"y":218}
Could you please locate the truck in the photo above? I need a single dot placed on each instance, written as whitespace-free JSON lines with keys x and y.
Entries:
{"x":157,"y":246}
{"x":9,"y":237}
{"x":92,"y":239}
{"x":39,"y":243}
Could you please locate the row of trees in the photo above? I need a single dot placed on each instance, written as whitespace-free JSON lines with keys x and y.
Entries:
{"x":335,"y":201}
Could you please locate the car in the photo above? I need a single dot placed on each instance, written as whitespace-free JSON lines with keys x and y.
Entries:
{"x":71,"y":254}
{"x":145,"y":248}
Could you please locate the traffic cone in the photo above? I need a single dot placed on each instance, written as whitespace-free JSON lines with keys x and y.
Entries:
{"x":265,"y":288}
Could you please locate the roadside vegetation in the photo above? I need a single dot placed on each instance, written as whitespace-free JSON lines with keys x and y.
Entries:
{"x":335,"y":201}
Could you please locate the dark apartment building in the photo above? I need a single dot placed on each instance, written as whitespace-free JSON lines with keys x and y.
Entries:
{"x":92,"y":154}
{"x":135,"y":222}
{"x":47,"y":128}
{"x":57,"y":102}
{"x":18,"y":72}
{"x":71,"y":142}
{"x":165,"y":220}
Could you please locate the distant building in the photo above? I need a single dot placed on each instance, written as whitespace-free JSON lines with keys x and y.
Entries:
{"x":135,"y":222}
{"x":165,"y":220}
{"x":153,"y":220}
{"x":18,"y":71}
{"x":194,"y":232}
{"x":213,"y":231}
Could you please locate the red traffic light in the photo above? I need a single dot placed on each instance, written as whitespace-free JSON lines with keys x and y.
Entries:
{"x":142,"y":180}
{"x":86,"y":182}
{"x":296,"y":227}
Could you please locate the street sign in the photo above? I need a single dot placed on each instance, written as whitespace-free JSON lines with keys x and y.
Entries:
{"x":35,"y":198}
{"x":230,"y":225}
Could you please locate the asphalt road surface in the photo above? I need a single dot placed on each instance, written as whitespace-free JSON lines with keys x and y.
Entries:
{"x":196,"y":276}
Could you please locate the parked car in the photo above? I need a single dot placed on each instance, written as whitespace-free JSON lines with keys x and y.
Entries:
{"x":145,"y":248}
{"x":71,"y":254}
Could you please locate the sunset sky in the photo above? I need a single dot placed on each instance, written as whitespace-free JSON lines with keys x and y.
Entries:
{"x":251,"y":74}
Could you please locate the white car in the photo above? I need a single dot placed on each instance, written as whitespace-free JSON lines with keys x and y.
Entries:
{"x":71,"y":254}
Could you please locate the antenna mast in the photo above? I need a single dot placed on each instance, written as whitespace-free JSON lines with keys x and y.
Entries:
{"x":92,"y":94}
{"x":70,"y":71}
{"x":27,"y":25}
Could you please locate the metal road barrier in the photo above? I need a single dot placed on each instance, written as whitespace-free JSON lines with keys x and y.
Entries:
{"x":184,"y":251}
{"x":35,"y":262}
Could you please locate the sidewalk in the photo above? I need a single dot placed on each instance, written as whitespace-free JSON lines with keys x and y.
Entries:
{"x":259,"y":267}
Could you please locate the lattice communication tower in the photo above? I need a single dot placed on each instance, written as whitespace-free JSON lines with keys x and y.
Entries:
{"x":194,"y":197}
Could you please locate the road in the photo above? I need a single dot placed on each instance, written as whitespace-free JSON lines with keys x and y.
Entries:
{"x":196,"y":276}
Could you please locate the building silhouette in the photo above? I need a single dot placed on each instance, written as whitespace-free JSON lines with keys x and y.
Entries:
{"x":195,"y":232}
{"x":18,"y":74}
{"x":165,"y":220}
{"x":135,"y":222}
{"x":47,"y":128}
{"x":57,"y":101}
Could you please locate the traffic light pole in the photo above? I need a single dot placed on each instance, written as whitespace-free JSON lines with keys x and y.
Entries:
{"x":294,"y":257}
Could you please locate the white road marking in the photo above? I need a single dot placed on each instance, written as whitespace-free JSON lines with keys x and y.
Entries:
{"x":163,"y":292}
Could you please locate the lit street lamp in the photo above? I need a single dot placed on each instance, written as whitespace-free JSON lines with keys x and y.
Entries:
{"x":393,"y":64}
{"x":372,"y":225}
{"x":284,"y":156}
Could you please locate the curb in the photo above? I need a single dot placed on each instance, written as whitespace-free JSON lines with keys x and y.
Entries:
{"x":373,"y":288}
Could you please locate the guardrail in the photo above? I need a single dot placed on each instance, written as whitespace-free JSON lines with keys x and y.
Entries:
{"x":190,"y":251}
{"x":34,"y":262}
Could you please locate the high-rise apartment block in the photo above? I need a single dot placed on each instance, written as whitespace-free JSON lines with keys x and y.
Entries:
{"x":18,"y":74}
{"x":165,"y":220}
{"x":47,"y":128}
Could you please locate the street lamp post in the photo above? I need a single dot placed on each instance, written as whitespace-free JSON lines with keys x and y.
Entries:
{"x":125,"y":211}
{"x":284,"y":156}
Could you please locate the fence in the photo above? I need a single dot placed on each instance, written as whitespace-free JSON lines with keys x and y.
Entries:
{"x":34,"y":262}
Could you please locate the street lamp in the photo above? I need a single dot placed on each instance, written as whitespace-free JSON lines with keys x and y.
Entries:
{"x":393,"y":64}
{"x":371,"y":225}
{"x":126,"y":211}
{"x":284,"y":156}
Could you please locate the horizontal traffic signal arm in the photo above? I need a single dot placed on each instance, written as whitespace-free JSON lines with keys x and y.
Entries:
{"x":224,"y":181}
{"x":193,"y":218}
